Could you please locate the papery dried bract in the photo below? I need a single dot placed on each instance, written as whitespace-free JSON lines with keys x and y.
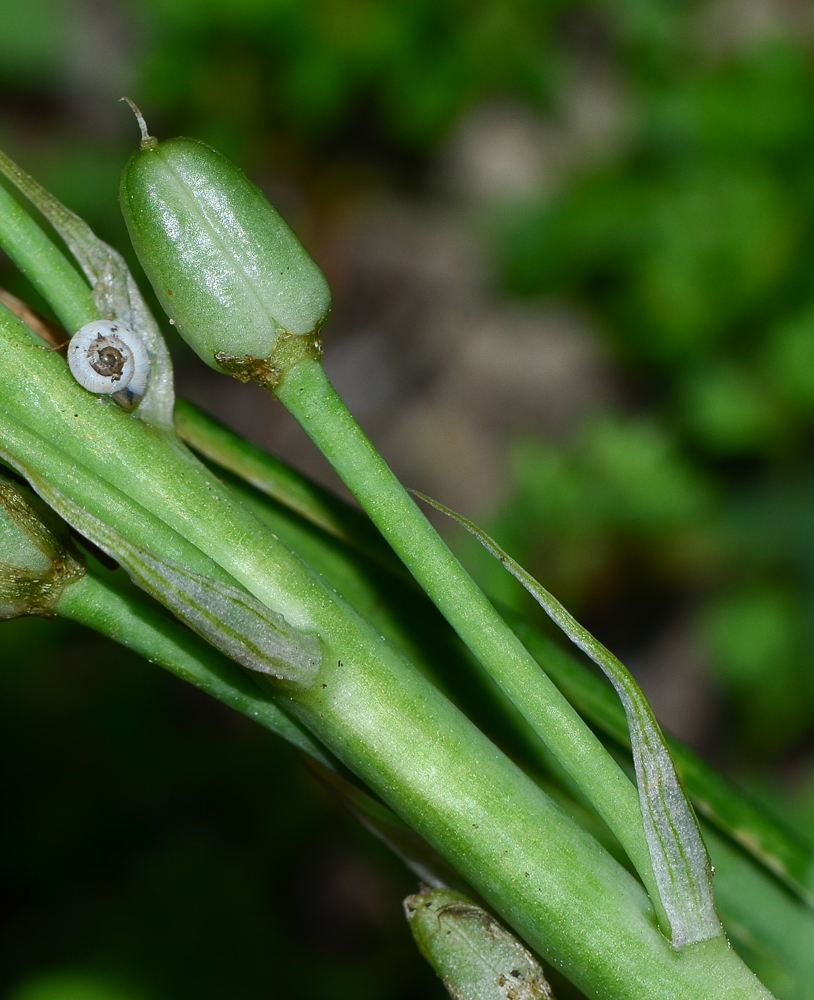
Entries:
{"x":679,"y":858}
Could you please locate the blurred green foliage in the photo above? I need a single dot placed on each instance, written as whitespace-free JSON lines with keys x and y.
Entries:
{"x":693,"y":250}
{"x":132,"y":859}
{"x":310,"y":66}
{"x":70,"y":986}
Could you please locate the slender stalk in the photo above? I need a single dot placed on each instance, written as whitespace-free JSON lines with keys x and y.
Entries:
{"x":309,"y":396}
{"x":680,"y":859}
{"x":277,"y":480}
{"x":136,"y":623}
{"x":768,"y":842}
{"x":45,"y":266}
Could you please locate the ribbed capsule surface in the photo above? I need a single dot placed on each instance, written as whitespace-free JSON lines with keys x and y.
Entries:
{"x":225,"y":266}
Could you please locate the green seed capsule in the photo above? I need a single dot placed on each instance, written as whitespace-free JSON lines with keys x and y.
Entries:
{"x":235,"y":280}
{"x":37,"y":558}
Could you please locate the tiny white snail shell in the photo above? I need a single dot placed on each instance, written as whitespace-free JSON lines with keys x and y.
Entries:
{"x":106,"y":356}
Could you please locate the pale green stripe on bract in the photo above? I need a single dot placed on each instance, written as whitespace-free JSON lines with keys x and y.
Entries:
{"x":233,"y":621}
{"x":680,"y":862}
{"x":114,"y":290}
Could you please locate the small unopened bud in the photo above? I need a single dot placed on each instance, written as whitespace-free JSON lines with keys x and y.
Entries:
{"x":37,"y":558}
{"x":234,"y":279}
{"x":476,"y":957}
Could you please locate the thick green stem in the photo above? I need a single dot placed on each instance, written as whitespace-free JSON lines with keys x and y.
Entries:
{"x":310,"y":397}
{"x":370,"y":707}
{"x":389,"y":724}
{"x":539,"y":700}
{"x":768,"y":842}
{"x":135,"y":622}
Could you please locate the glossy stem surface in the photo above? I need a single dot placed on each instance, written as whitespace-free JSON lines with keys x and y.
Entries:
{"x":537,"y":868}
{"x":373,"y":710}
{"x":310,"y":397}
{"x":773,"y":845}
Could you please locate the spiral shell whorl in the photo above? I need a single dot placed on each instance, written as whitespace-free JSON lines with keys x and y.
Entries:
{"x":107,"y":357}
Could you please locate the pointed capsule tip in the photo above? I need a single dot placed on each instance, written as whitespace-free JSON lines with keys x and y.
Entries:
{"x":147,"y":141}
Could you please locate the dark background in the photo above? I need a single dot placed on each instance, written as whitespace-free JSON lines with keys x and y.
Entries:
{"x":573,"y":269}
